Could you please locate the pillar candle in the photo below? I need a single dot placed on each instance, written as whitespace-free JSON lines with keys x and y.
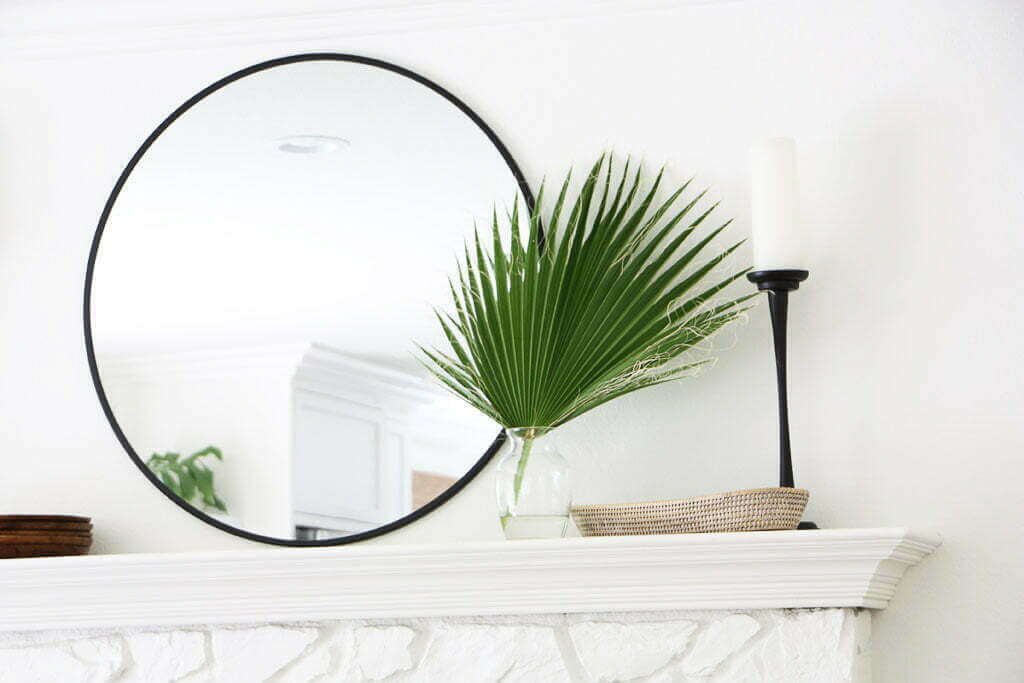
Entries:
{"x":773,"y":205}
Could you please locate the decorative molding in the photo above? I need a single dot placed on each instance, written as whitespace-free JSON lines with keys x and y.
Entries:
{"x":311,"y":366}
{"x":780,"y":569}
{"x":47,"y":29}
{"x":325,"y":369}
{"x":243,"y":360}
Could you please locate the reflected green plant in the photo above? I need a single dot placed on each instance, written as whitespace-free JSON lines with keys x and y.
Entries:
{"x":189,"y":478}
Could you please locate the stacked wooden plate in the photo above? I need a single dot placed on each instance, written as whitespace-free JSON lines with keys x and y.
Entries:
{"x":44,"y":535}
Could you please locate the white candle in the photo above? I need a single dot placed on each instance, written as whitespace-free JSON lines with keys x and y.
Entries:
{"x":773,"y":205}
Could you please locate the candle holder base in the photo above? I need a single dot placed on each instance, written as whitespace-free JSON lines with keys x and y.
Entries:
{"x":778,"y":280}
{"x":778,"y":284}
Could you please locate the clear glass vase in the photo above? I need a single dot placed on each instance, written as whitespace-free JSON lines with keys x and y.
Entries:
{"x":533,"y":486}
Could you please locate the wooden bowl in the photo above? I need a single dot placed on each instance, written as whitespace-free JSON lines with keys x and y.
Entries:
{"x":44,"y":535}
{"x":44,"y":522}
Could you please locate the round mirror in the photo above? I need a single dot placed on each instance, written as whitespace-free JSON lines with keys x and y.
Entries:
{"x":260,"y":278}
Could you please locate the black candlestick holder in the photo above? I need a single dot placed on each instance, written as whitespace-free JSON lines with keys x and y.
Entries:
{"x":778,"y":284}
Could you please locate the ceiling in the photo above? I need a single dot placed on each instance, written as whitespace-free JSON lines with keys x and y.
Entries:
{"x":220,"y":238}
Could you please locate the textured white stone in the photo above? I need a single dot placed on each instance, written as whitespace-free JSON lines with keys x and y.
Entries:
{"x":96,"y":660}
{"x":481,"y":652}
{"x":14,"y":639}
{"x":309,"y":667}
{"x":159,"y":657}
{"x":330,"y":659}
{"x":99,"y":651}
{"x":717,"y":641}
{"x":537,"y":658}
{"x":620,"y":652}
{"x":860,"y":628}
{"x":796,"y":646}
{"x":382,"y":651}
{"x":801,"y":646}
{"x":255,"y":654}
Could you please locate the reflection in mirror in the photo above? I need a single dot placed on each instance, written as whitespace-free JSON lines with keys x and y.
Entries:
{"x":258,"y":286}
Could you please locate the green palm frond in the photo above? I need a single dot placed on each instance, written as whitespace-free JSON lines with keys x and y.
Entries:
{"x":541,"y":333}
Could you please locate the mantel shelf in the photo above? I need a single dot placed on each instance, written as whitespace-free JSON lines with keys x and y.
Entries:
{"x":781,"y":569}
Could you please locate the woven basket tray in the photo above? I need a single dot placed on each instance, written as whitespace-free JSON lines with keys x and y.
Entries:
{"x":751,"y":510}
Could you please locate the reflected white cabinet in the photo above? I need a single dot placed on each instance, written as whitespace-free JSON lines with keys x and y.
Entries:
{"x":335,"y":445}
{"x":351,"y":423}
{"x":342,"y":474}
{"x":361,"y":434}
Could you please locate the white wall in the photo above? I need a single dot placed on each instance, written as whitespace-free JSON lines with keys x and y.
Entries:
{"x":906,"y":380}
{"x":245,"y":412}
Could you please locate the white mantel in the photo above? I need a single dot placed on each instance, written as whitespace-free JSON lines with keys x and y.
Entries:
{"x":781,"y":569}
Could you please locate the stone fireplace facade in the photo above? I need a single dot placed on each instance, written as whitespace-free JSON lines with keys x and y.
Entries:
{"x":798,"y":645}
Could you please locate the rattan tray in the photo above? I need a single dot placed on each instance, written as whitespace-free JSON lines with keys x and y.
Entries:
{"x":766,"y":509}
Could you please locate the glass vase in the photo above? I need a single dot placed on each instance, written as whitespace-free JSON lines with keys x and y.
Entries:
{"x":533,"y":486}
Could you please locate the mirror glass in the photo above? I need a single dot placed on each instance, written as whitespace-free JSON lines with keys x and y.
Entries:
{"x":259,"y":284}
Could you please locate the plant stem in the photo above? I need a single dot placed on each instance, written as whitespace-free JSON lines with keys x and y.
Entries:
{"x":521,"y":466}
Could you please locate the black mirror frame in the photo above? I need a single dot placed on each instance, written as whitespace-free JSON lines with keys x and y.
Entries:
{"x":448,"y":494}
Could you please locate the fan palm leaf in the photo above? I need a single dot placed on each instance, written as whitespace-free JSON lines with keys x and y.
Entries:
{"x":607,"y":299}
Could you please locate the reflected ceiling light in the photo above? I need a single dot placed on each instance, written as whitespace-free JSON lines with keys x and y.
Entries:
{"x":310,"y":144}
